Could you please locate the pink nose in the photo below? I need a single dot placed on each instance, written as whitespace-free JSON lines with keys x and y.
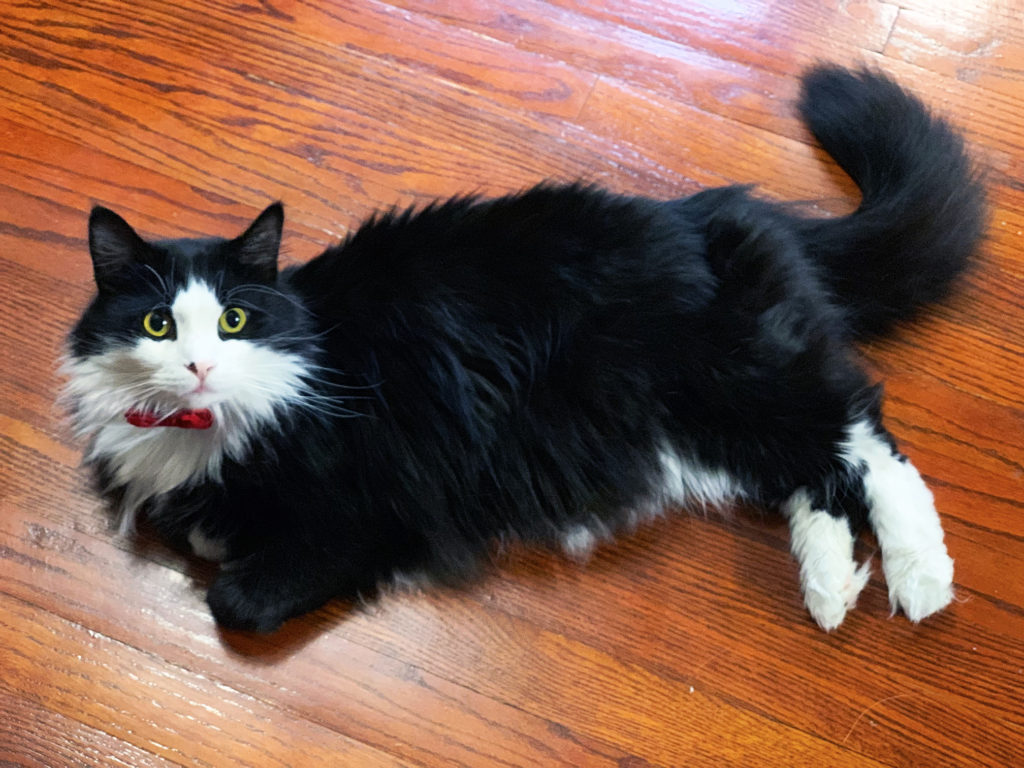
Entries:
{"x":201,"y":369}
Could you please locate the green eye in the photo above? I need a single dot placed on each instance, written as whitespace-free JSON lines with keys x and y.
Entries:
{"x":233,"y":320}
{"x":157,"y":323}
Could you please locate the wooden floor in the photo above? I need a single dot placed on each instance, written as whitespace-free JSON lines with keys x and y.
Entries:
{"x":685,"y":645}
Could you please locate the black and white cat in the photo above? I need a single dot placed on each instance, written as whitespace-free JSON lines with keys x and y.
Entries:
{"x":547,"y":367}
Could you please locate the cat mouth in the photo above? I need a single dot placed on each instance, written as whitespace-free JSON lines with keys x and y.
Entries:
{"x":202,"y":396}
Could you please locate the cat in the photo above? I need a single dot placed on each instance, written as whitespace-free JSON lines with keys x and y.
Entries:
{"x":548,"y":367}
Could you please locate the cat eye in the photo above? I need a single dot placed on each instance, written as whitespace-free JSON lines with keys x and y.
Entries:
{"x":233,"y":320}
{"x":158,"y":323}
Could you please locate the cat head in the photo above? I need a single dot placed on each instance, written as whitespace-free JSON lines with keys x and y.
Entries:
{"x":186,"y":324}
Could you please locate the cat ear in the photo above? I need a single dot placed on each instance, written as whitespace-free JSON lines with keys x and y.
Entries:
{"x":257,"y":248}
{"x":113,"y":245}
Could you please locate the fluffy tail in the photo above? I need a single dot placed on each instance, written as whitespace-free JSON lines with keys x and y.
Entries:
{"x":923,"y":207}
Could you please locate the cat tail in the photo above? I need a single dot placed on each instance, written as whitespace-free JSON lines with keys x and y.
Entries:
{"x":923,"y":208}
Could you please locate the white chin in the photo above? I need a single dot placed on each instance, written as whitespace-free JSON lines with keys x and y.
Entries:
{"x":201,"y":399}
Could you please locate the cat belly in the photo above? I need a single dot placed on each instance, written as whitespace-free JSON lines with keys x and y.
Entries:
{"x":681,"y":482}
{"x":691,"y":484}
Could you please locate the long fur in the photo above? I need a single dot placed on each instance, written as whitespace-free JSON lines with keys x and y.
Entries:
{"x":548,"y":367}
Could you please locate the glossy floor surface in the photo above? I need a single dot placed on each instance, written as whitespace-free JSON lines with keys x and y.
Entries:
{"x":685,"y":644}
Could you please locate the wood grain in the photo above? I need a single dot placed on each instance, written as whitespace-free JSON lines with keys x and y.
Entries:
{"x":684,"y":644}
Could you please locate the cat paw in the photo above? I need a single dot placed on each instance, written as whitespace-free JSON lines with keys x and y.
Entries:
{"x":236,"y":602}
{"x":830,"y":578}
{"x":920,"y":581}
{"x":830,"y":592}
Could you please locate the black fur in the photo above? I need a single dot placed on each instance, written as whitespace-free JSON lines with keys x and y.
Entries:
{"x":509,"y":368}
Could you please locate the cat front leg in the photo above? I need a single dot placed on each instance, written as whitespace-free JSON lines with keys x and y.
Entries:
{"x":261,"y":591}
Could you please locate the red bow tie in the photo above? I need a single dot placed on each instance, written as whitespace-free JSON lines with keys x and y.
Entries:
{"x":187,"y":418}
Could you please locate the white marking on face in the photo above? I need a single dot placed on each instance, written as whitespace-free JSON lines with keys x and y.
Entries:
{"x":823,"y":545}
{"x":902,"y":513}
{"x":246,"y":383}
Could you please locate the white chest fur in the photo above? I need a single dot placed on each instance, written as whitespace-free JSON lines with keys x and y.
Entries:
{"x":148,"y":463}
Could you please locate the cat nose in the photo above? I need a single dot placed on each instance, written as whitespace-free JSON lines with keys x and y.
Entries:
{"x":200,"y":369}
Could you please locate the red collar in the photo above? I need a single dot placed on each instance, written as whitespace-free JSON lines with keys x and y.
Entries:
{"x":186,"y":418}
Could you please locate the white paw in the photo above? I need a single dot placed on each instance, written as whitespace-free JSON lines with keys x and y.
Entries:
{"x":829,"y":576}
{"x":920,"y":581}
{"x":830,"y":593}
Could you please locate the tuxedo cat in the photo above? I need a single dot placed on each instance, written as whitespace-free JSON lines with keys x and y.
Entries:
{"x":548,"y":367}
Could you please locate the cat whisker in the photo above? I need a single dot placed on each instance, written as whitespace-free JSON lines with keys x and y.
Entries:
{"x":329,"y":384}
{"x":303,"y":400}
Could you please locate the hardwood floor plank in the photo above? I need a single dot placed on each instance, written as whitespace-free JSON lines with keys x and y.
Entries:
{"x":765,"y":34}
{"x":963,"y":441}
{"x":34,"y":736}
{"x":503,"y":73}
{"x":84,"y":676}
{"x":920,"y":728}
{"x":309,"y":117}
{"x":667,"y":67}
{"x":977,"y":43}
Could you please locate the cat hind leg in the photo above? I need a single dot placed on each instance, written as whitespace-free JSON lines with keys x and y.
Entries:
{"x":822,"y":543}
{"x":901,"y":511}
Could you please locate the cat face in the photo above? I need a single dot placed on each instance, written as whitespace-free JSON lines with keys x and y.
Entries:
{"x":187,"y":324}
